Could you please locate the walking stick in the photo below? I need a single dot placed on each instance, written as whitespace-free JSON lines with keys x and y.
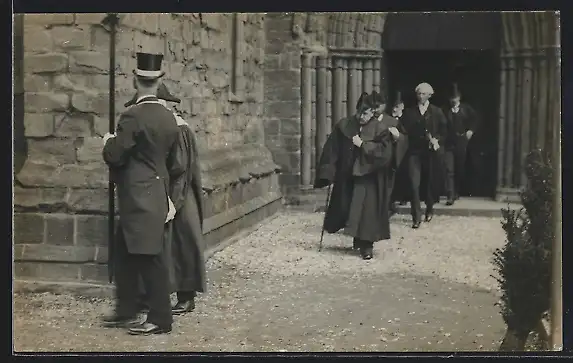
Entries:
{"x":111,"y":21}
{"x":324,"y":220}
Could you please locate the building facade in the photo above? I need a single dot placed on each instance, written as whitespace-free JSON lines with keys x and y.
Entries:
{"x":262,"y":91}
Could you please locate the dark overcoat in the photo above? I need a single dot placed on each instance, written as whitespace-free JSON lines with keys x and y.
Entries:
{"x":343,"y":164}
{"x":141,"y":156}
{"x":187,"y":241}
{"x":417,"y":126}
{"x":401,"y":190}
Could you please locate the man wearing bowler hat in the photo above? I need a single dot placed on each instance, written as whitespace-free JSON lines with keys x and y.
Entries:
{"x":141,"y":157}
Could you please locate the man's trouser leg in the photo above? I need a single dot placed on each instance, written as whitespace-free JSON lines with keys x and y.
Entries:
{"x":414,"y":175}
{"x":126,"y":279}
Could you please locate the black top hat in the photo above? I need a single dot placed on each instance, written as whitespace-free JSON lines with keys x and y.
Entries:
{"x":149,"y":66}
{"x":455,"y":91}
{"x":162,"y":93}
{"x":398,"y":99}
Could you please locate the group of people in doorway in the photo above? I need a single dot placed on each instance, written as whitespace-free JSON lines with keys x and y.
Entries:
{"x":379,"y":157}
{"x":159,"y":243}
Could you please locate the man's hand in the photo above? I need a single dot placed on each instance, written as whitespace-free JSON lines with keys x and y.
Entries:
{"x":107,"y":136}
{"x":356,"y":140}
{"x":435,"y":145}
{"x":395,"y":133}
{"x":469,"y":134}
{"x":171,"y":212}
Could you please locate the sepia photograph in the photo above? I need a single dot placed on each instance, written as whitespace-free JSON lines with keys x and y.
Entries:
{"x":364,"y":182}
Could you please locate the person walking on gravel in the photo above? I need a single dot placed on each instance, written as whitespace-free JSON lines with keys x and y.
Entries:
{"x":356,"y":160}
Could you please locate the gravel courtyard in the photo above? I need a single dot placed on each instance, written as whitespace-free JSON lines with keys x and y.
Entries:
{"x":425,"y":290}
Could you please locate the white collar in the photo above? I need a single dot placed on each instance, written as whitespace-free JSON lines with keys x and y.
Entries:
{"x":424,"y":106}
{"x":144,"y":96}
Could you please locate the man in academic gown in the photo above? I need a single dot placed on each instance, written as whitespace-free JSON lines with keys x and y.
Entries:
{"x":187,"y":262}
{"x":356,"y":159}
{"x":462,"y":123}
{"x":426,"y":127}
{"x":141,"y":155}
{"x":401,"y":190}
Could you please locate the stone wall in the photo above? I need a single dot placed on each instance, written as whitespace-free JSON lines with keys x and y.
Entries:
{"x":288,"y":35}
{"x":213,"y":62}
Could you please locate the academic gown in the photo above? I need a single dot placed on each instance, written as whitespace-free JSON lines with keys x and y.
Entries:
{"x":361,"y":179}
{"x":187,"y":243}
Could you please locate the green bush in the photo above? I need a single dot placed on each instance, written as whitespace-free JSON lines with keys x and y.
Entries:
{"x":524,"y":263}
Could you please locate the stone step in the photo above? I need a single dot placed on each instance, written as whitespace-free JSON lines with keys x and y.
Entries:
{"x":465,"y":207}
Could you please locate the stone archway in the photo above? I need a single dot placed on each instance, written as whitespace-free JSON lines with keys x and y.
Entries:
{"x":530,"y":102}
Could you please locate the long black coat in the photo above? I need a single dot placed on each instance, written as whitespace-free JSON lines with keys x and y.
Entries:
{"x":416,"y":126}
{"x":401,"y":190}
{"x":146,"y":138}
{"x":187,"y":243}
{"x":342,"y":163}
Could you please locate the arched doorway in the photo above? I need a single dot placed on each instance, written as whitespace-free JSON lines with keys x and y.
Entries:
{"x":441,"y":48}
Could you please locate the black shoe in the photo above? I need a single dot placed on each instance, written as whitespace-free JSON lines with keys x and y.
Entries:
{"x":147,"y":328}
{"x":355,"y":245}
{"x":429,"y":217}
{"x":366,"y":253}
{"x":183,"y":307}
{"x":116,"y":321}
{"x":402,"y":203}
{"x":416,"y":225}
{"x":450,"y":202}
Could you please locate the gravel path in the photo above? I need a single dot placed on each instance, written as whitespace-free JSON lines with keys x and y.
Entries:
{"x":426,"y":289}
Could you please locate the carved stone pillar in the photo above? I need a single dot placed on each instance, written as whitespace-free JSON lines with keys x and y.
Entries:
{"x":321,"y":99}
{"x":353,"y":95}
{"x":338,"y":82}
{"x":306,"y":120}
{"x":367,"y":74}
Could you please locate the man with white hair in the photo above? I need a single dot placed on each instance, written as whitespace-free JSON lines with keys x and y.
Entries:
{"x":426,"y":127}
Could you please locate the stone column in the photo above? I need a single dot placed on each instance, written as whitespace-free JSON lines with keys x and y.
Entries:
{"x":377,"y":74}
{"x":321,"y":99}
{"x":367,"y":81}
{"x":337,"y":90}
{"x":502,"y":145}
{"x":353,"y":95}
{"x":306,"y":121}
{"x":344,"y":88}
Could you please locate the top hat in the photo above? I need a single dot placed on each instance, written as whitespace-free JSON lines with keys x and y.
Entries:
{"x":149,"y":66}
{"x":398,"y":100}
{"x":162,"y":93}
{"x":455,"y":91}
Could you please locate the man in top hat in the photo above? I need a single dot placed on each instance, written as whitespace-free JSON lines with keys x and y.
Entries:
{"x":187,"y":261}
{"x":462,"y":123}
{"x":400,"y":190}
{"x":141,"y":157}
{"x":426,"y":127}
{"x":356,"y":159}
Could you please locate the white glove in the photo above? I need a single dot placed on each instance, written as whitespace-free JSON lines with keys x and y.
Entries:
{"x":394,"y":131}
{"x":107,"y":136}
{"x":469,"y":134}
{"x":435,"y":144}
{"x":356,"y":140}
{"x":171,"y":212}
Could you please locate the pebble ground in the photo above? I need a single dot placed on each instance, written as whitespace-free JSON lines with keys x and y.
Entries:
{"x":429,"y":289}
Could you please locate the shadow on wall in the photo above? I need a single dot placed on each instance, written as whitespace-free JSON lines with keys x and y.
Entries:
{"x":20,"y":144}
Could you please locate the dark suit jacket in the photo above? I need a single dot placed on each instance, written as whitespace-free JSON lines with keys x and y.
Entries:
{"x":141,"y":156}
{"x":416,"y":125}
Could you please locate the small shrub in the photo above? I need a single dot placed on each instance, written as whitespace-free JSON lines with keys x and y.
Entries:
{"x":524,"y":263}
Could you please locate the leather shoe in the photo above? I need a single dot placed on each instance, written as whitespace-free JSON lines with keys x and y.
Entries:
{"x":116,"y":321}
{"x":429,"y":217}
{"x":354,"y":245}
{"x":183,"y":307}
{"x":416,"y":225}
{"x":147,"y":328}
{"x":366,"y":253}
{"x":450,"y":202}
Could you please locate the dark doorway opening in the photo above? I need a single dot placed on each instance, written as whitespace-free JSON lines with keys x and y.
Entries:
{"x":477,"y":75}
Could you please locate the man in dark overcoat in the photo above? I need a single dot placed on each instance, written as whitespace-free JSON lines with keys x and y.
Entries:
{"x":426,"y":127}
{"x":401,"y":188}
{"x":141,"y":157}
{"x":462,"y":123}
{"x":356,"y":159}
{"x":187,"y":261}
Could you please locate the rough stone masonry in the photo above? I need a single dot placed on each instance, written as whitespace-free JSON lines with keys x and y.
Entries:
{"x":213,"y":62}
